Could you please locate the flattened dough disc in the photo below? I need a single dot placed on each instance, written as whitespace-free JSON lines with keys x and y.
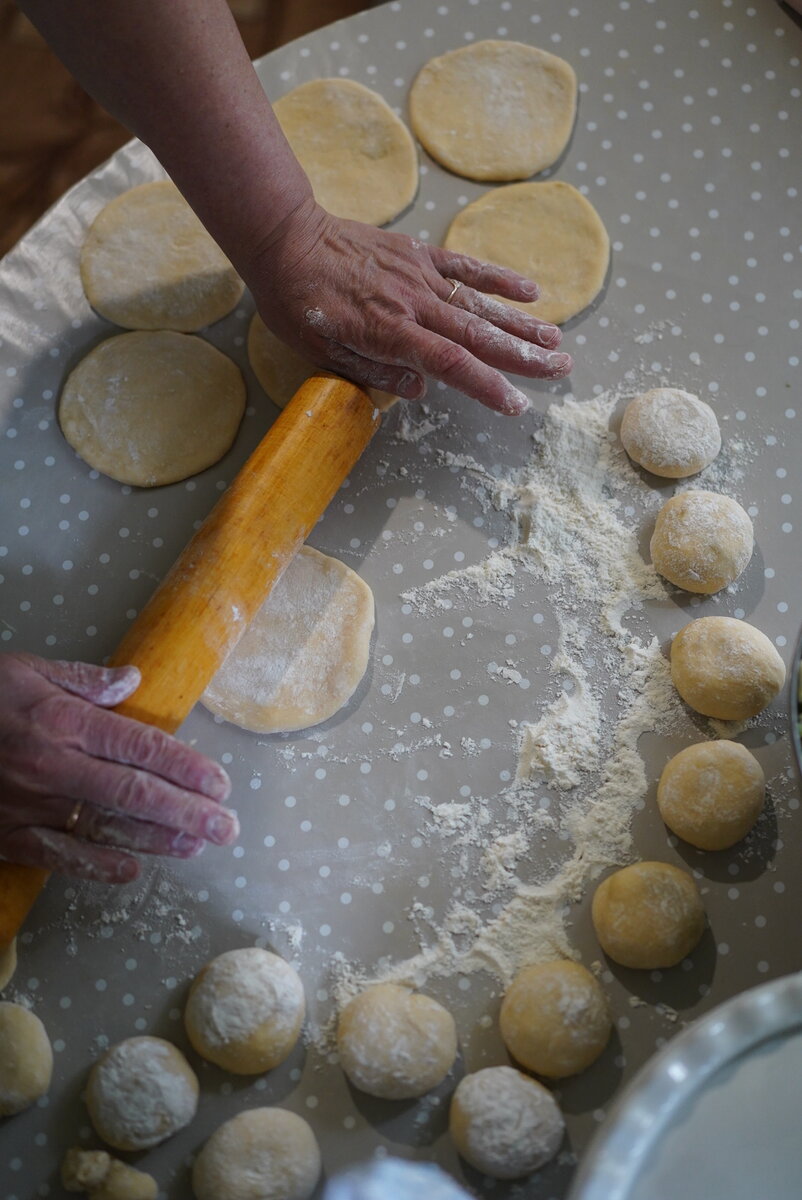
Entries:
{"x":152,"y":408}
{"x":360,"y":157}
{"x":281,"y":370}
{"x":148,"y":263}
{"x":304,"y":653}
{"x":546,"y":231}
{"x":494,"y":110}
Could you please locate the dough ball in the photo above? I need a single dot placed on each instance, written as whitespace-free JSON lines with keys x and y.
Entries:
{"x":26,"y":1058}
{"x":303,"y":655}
{"x":245,"y":1010}
{"x":261,"y":1154}
{"x":396,"y":1043}
{"x":546,"y":231}
{"x":104,"y":1177}
{"x":702,"y":541}
{"x":555,"y":1019}
{"x":711,"y":794}
{"x":649,"y":915}
{"x":281,"y":370}
{"x":725,"y":668}
{"x":140,"y":1092}
{"x":670,"y":432}
{"x":148,"y":263}
{"x":494,"y":110}
{"x":152,"y":408}
{"x":359,"y":156}
{"x":8,"y":963}
{"x":505,"y":1124}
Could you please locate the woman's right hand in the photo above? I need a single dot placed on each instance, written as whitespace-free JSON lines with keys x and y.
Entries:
{"x":82,"y":788}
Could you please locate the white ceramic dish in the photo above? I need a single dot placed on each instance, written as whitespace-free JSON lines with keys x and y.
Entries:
{"x":716,"y":1114}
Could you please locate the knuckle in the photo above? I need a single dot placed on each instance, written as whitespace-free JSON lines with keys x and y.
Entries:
{"x":448,"y":359}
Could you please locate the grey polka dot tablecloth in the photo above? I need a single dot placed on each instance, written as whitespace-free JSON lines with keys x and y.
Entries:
{"x":687,"y":142}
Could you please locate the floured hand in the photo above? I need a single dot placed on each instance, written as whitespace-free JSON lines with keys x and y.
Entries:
{"x":80,"y":787}
{"x":381,"y":309}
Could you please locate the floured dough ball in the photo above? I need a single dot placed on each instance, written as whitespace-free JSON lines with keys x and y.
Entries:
{"x":245,"y":1010}
{"x":359,"y":156}
{"x":702,"y":541}
{"x":148,"y":263}
{"x":105,"y":1178}
{"x":140,"y":1092}
{"x":261,"y":1154}
{"x":555,"y":1019}
{"x":281,"y":370}
{"x":152,"y":408}
{"x":711,"y":794}
{"x":649,"y":915}
{"x":304,"y":653}
{"x":26,"y":1058}
{"x":494,"y":110}
{"x":505,"y":1124}
{"x":548,"y":232}
{"x":725,"y":668}
{"x":670,"y":433}
{"x":396,"y":1043}
{"x":8,"y":963}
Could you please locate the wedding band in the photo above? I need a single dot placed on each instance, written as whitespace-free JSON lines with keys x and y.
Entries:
{"x":74,"y":817}
{"x":455,"y":287}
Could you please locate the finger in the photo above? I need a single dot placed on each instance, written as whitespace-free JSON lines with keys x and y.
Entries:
{"x":100,"y":685}
{"x":495,"y":346}
{"x":485,"y":277}
{"x":454,"y":365}
{"x":97,"y":824}
{"x":398,"y":381}
{"x":57,"y":851}
{"x":119,"y":739}
{"x":506,"y":317}
{"x":144,"y":796}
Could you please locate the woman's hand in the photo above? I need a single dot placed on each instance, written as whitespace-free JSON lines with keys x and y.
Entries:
{"x":80,"y":786}
{"x":375,"y":306}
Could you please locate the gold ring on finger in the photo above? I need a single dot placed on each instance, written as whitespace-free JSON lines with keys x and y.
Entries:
{"x":456,"y":284}
{"x":74,"y":817}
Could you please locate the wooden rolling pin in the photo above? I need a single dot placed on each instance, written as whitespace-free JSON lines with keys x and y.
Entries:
{"x":203,"y":606}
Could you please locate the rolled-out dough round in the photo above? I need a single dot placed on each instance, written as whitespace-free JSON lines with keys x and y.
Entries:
{"x":152,"y":408}
{"x":148,"y":263}
{"x":304,"y":653}
{"x":281,"y":370}
{"x":494,"y":110}
{"x":359,"y":156}
{"x":548,"y":232}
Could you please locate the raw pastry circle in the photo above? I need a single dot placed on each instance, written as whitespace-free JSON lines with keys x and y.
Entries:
{"x":281,"y":370}
{"x":548,"y":232}
{"x":711,"y":794}
{"x":148,"y":263}
{"x":359,"y":156}
{"x":26,"y":1058}
{"x":303,"y":655}
{"x":140,"y":1092}
{"x":702,"y":541}
{"x":725,"y":668}
{"x":670,"y":433}
{"x":555,"y":1019}
{"x":396,"y":1043}
{"x":152,"y":408}
{"x":494,"y":110}
{"x":245,"y":1010}
{"x":261,"y":1154}
{"x":505,"y":1124}
{"x":648,"y":916}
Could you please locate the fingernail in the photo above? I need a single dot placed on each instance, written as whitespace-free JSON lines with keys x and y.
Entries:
{"x":531,"y":289}
{"x":411,"y":386}
{"x":217,"y":784}
{"x":559,"y":364}
{"x":223,"y":828}
{"x":517,"y":403}
{"x":550,"y":335}
{"x":186,"y":845}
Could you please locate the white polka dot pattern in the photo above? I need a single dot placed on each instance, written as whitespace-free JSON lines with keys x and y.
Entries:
{"x":685,"y":142}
